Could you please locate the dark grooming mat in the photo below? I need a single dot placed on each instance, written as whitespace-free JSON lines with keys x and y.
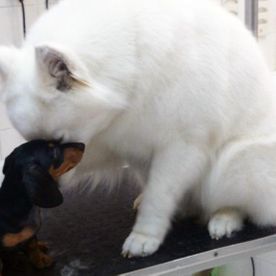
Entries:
{"x":86,"y":233}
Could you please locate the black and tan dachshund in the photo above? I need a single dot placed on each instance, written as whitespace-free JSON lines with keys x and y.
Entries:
{"x":31,"y":172}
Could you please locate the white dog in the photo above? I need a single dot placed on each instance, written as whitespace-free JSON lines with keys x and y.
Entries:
{"x":178,"y":89}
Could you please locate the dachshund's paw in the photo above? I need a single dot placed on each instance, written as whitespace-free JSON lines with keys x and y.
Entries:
{"x":42,"y":260}
{"x":140,"y":245}
{"x":43,"y":246}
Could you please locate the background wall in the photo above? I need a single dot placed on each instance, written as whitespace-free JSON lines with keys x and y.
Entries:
{"x":267,"y":30}
{"x":266,"y":25}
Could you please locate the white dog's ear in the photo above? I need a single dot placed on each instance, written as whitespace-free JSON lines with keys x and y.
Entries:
{"x":62,"y":67}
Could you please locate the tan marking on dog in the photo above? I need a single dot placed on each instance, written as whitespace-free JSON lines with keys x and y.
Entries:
{"x":36,"y":255}
{"x":72,"y":157}
{"x":13,"y":239}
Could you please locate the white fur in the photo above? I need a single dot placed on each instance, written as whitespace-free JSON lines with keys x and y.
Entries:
{"x":178,"y":89}
{"x":224,"y":222}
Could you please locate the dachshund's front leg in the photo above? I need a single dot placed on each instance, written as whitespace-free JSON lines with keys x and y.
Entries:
{"x":37,"y":254}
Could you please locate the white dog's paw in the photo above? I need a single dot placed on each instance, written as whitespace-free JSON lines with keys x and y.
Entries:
{"x":224,"y":223}
{"x":140,"y":245}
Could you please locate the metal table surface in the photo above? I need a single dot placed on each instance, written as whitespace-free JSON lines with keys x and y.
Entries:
{"x":86,"y":234}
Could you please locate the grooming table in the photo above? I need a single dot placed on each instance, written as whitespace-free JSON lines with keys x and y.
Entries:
{"x":86,"y":234}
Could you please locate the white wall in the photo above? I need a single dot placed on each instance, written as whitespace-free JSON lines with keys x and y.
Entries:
{"x":267,"y":30}
{"x":266,"y":25}
{"x":11,"y":18}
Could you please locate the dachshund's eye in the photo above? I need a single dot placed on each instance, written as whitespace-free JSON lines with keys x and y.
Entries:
{"x":57,"y":157}
{"x":55,"y":153}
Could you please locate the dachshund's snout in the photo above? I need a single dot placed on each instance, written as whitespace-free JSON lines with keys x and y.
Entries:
{"x":78,"y":146}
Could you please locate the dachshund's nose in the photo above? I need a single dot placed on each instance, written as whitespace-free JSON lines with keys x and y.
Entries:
{"x":80,"y":146}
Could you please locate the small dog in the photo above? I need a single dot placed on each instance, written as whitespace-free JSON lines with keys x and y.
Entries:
{"x":31,"y":173}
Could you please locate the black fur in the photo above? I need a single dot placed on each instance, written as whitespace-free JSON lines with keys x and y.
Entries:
{"x":28,"y":183}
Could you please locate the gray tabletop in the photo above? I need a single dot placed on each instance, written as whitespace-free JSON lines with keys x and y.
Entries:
{"x":86,"y":233}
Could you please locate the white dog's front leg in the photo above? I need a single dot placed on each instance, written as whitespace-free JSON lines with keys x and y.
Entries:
{"x":172,"y":172}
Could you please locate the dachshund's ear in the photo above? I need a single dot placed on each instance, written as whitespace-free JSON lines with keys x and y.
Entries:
{"x":41,"y":187}
{"x":8,"y":164}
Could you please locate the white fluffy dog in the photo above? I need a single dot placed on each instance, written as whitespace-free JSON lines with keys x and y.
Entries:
{"x":178,"y":89}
